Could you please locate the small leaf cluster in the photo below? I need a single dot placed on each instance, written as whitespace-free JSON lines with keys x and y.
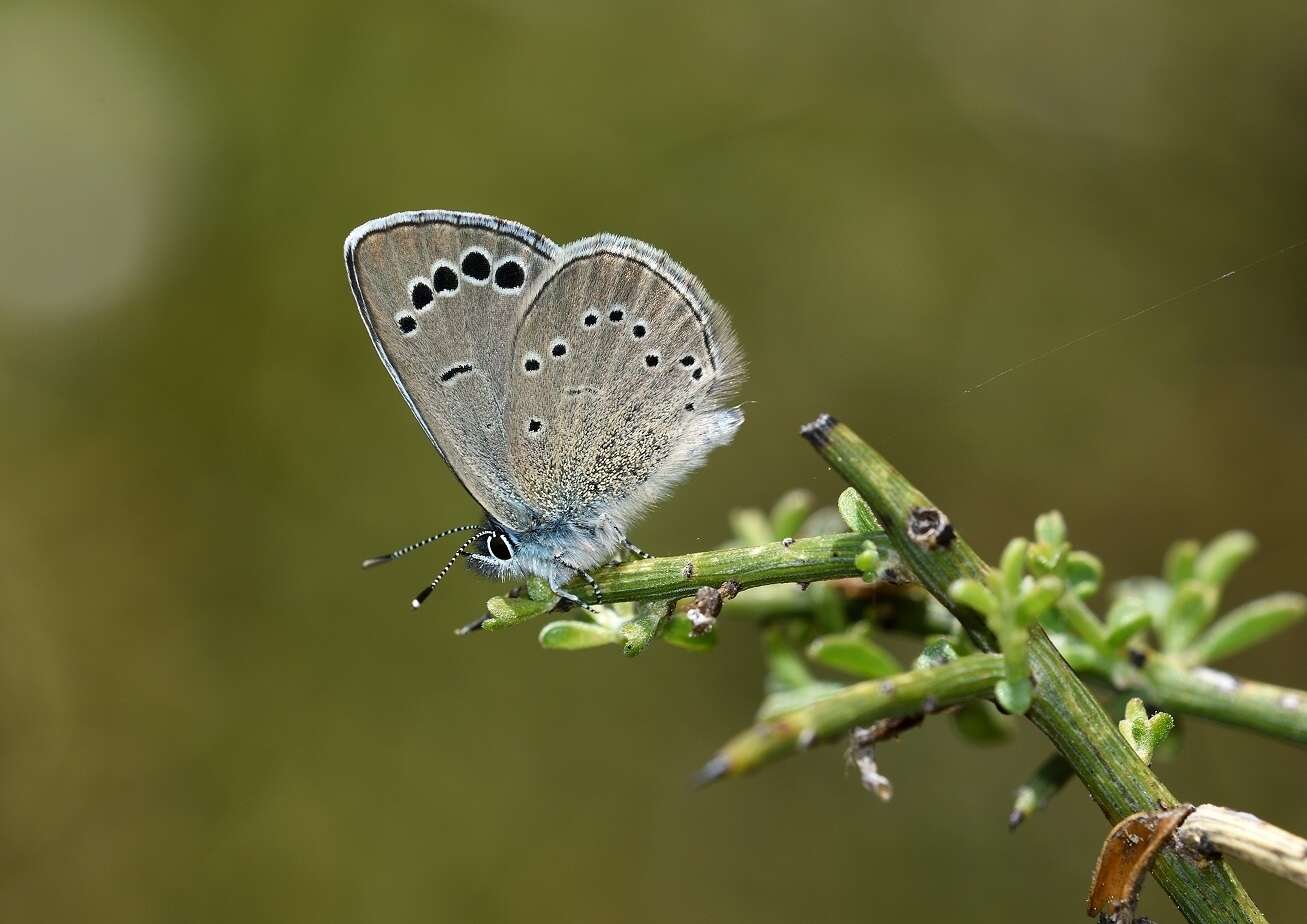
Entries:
{"x":1144,"y":733}
{"x":1183,"y":607}
{"x":1179,"y":611}
{"x":633,"y":626}
{"x":859,"y":518}
{"x":1011,"y":600}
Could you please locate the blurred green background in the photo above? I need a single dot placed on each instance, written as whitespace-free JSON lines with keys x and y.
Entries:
{"x":208,"y":713}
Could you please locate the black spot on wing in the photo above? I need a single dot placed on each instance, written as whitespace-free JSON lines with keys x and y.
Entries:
{"x":476,"y":265}
{"x":445,"y":278}
{"x":509,"y":275}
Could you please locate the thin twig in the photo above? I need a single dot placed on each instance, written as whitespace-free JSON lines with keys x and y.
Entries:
{"x":818,"y":558}
{"x":925,"y":689}
{"x":1212,"y":828}
{"x":1221,"y":697}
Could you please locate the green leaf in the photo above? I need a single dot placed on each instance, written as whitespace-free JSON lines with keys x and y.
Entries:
{"x":612,"y":617}
{"x":1012,"y":566}
{"x":789,"y":513}
{"x":1179,"y":564}
{"x":853,"y":653}
{"x":827,"y":609}
{"x":972,"y":593}
{"x":537,"y":588}
{"x":679,"y":632}
{"x":1246,"y":626}
{"x":1014,"y":695}
{"x":1223,"y":556}
{"x":1036,"y":598}
{"x":1124,"y":623}
{"x":1124,"y":609}
{"x":785,"y":668}
{"x":1169,"y":749}
{"x":1081,"y":656}
{"x":1046,"y":559}
{"x":570,"y":635}
{"x":783,"y":701}
{"x":639,"y":632}
{"x":868,"y":561}
{"x":509,"y":611}
{"x":1083,"y":574}
{"x":857,"y":515}
{"x":1050,"y":528}
{"x":1191,"y":609}
{"x":1159,"y":727}
{"x":1045,"y":783}
{"x":1082,"y":621}
{"x":752,"y":527}
{"x":1135,"y":711}
{"x":1145,"y":735}
{"x":980,"y":723}
{"x":937,"y":651}
{"x":1153,"y":594}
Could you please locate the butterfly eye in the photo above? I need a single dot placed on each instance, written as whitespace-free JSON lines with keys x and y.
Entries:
{"x":500,"y":548}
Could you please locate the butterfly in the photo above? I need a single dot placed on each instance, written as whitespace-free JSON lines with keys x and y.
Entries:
{"x":567,"y":387}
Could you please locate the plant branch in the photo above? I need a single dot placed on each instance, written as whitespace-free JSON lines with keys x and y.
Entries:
{"x":926,"y":689}
{"x":818,"y":558}
{"x":1213,"y":829}
{"x":1277,"y":711}
{"x":1280,"y":712}
{"x":1222,"y":697}
{"x":1062,"y":708}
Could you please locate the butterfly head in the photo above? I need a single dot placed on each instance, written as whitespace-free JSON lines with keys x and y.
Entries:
{"x":496,"y":553}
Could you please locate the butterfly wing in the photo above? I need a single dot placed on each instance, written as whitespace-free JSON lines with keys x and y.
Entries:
{"x":621,"y":370}
{"x":441,"y":293}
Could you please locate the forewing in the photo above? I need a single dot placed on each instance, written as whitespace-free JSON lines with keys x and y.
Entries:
{"x":620,"y":372}
{"x":441,"y":294}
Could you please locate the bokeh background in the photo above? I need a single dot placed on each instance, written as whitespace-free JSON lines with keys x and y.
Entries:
{"x":208,"y":713}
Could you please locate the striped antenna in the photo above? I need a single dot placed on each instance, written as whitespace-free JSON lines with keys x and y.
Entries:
{"x":382,"y":559}
{"x":426,"y":591}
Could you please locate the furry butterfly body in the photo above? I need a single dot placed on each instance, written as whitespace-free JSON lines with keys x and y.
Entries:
{"x":567,"y":387}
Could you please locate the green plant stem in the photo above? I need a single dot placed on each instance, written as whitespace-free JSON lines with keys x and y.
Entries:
{"x":819,"y":558}
{"x":1063,"y":708}
{"x":1035,"y":793}
{"x":1277,"y":711}
{"x":1221,"y":697}
{"x":925,"y":689}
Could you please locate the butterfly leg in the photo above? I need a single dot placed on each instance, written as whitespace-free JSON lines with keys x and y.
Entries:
{"x":635,"y":549}
{"x":589,"y":579}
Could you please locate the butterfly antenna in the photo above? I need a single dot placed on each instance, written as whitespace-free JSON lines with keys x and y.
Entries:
{"x":382,"y":559}
{"x":426,"y":591}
